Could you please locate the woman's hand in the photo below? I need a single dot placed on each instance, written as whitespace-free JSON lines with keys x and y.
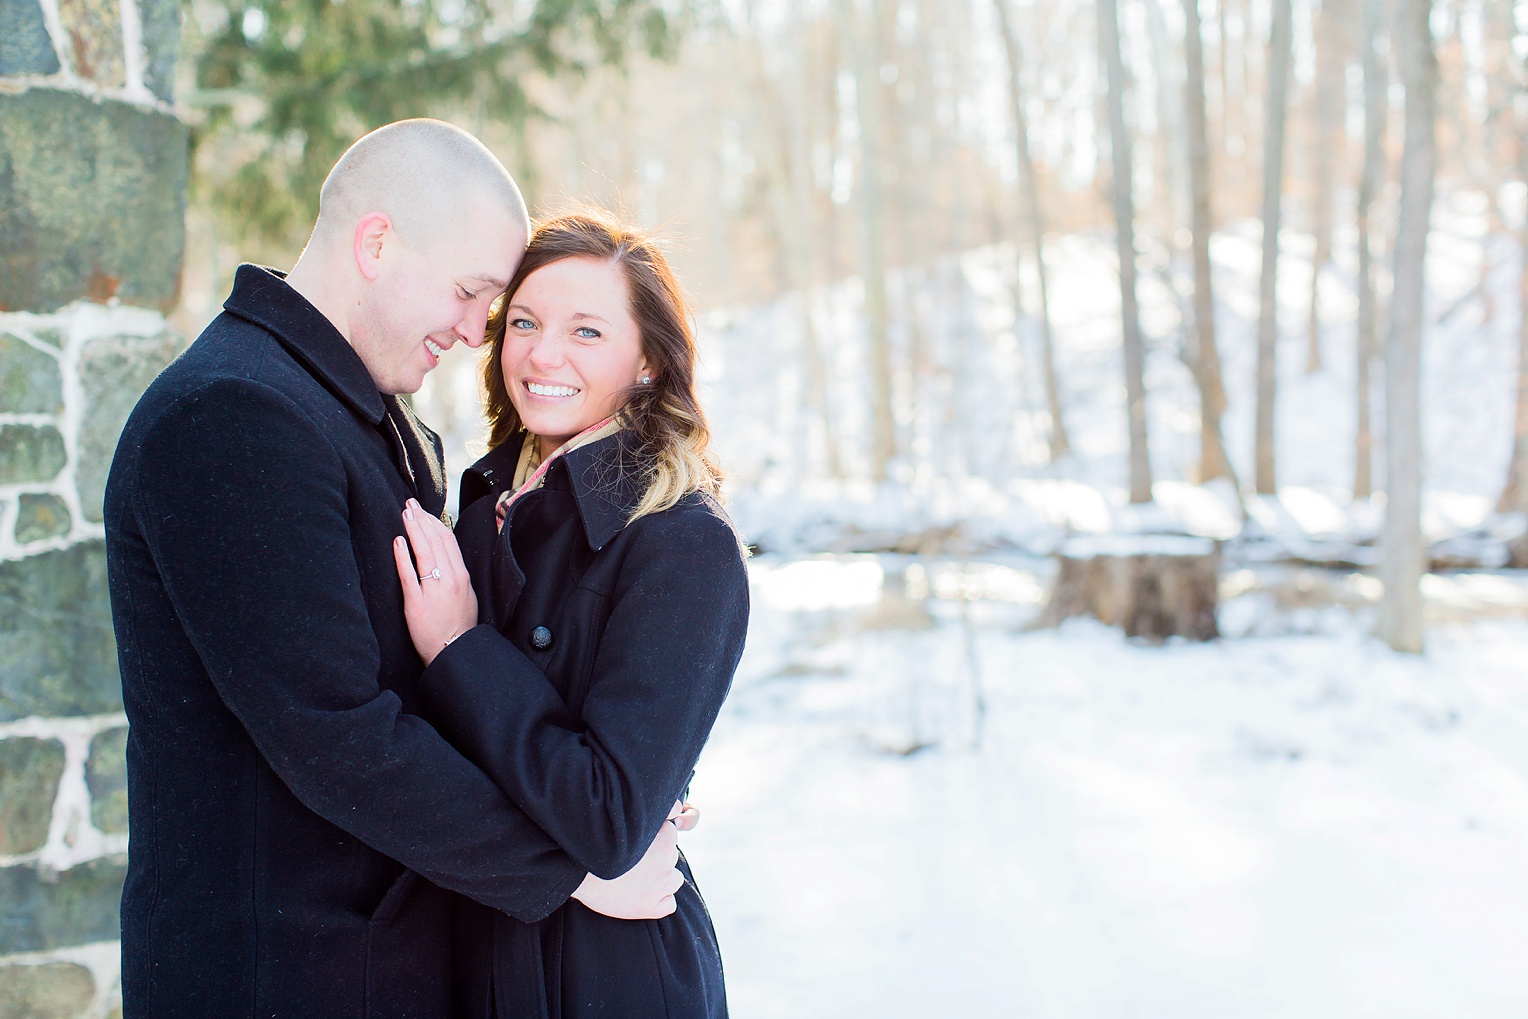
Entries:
{"x":438,"y":601}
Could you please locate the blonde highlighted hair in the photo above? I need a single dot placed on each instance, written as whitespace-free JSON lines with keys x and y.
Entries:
{"x":674,"y":448}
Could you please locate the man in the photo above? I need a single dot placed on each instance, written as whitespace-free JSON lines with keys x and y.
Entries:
{"x":284,"y":797}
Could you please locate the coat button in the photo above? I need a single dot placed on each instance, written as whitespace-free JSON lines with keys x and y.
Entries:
{"x":541,"y":638}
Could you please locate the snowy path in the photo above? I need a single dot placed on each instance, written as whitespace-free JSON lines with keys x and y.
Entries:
{"x":1300,"y":826}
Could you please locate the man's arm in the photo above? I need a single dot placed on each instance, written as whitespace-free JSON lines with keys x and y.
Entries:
{"x":244,"y":504}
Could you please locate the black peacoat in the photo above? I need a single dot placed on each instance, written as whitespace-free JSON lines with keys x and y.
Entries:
{"x":638,"y":629}
{"x":283,"y":790}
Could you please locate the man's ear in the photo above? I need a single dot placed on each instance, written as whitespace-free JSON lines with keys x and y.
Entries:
{"x":372,"y":233}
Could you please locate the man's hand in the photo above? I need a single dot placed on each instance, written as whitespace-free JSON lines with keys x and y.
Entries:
{"x":684,"y":815}
{"x":646,"y":891}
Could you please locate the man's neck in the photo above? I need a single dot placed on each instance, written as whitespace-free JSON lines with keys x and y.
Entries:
{"x":311,"y":278}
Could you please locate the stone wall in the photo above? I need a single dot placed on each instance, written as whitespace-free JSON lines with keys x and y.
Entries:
{"x":93,"y":165}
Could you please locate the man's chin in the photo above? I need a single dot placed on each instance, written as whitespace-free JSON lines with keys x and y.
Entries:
{"x":402,"y":387}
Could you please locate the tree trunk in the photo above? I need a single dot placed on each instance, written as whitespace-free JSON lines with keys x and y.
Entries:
{"x":1514,"y":495}
{"x":1124,"y":224}
{"x":1171,"y":153}
{"x":1279,"y":45}
{"x":1376,"y":88}
{"x":1404,"y":557}
{"x":1060,"y":443}
{"x":1213,"y":461}
{"x":864,"y":42}
{"x":1331,"y":102}
{"x":795,"y":216}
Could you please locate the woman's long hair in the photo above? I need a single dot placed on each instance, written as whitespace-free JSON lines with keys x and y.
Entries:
{"x":674,"y":447}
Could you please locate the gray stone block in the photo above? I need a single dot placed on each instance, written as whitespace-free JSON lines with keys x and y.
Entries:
{"x":74,"y":907}
{"x":58,"y":655}
{"x":29,"y":774}
{"x":92,"y":202}
{"x":25,"y":47}
{"x":30,"y":453}
{"x":106,"y":775}
{"x":161,"y":40}
{"x":114,"y":372}
{"x":30,"y":380}
{"x":49,"y":990}
{"x":41,"y":516}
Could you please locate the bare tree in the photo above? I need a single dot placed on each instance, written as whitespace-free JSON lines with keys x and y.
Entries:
{"x":1213,"y":461}
{"x":1060,"y":444}
{"x":1124,"y":225}
{"x":1279,"y":48}
{"x":1330,"y":102}
{"x":791,"y":200}
{"x":1376,"y":87}
{"x":1514,"y":495}
{"x":1404,"y":557}
{"x":864,"y":42}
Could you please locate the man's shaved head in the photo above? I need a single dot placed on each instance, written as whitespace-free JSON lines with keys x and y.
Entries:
{"x":419,"y":230}
{"x":422,"y":174}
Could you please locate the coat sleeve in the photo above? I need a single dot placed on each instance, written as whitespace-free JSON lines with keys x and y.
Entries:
{"x":244,"y":504}
{"x":678,"y":619}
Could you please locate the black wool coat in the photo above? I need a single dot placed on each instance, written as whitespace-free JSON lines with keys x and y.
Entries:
{"x":637,"y":630}
{"x":284,"y":793}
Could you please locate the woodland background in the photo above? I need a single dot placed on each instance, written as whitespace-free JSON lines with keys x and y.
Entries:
{"x":1205,"y":319}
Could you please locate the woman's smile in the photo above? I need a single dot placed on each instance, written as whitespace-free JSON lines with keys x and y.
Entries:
{"x":550,"y":390}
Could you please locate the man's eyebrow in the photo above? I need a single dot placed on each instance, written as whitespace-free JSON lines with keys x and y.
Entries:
{"x":492,"y":281}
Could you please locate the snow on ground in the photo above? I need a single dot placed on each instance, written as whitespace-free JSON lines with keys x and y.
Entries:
{"x":1302,"y":826}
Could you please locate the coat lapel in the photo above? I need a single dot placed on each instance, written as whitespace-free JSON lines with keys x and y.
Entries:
{"x":478,"y":532}
{"x":418,"y":452}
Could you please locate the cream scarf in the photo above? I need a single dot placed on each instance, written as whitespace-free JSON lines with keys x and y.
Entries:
{"x":530,"y":470}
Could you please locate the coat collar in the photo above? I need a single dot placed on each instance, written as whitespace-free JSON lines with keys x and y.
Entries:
{"x":606,"y":478}
{"x":262,"y":296}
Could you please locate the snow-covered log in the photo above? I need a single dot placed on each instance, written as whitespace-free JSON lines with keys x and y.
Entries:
{"x":1154,"y":586}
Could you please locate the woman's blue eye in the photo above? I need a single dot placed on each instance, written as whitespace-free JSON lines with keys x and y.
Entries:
{"x":521,"y":323}
{"x":586,"y":333}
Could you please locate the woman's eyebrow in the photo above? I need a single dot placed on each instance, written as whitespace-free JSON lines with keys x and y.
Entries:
{"x":582,"y":314}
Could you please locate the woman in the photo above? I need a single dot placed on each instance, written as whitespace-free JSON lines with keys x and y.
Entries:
{"x":615,"y":598}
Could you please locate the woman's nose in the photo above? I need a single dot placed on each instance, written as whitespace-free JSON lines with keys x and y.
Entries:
{"x":546,"y":352}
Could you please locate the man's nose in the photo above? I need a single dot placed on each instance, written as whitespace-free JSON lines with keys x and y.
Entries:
{"x":474,"y":325}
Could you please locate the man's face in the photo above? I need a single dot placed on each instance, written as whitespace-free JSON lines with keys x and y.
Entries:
{"x":429,"y":294}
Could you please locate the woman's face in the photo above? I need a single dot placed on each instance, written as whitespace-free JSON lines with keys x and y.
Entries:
{"x":571,"y":348}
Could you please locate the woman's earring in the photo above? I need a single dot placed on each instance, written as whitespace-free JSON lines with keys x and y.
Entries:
{"x":646,"y":380}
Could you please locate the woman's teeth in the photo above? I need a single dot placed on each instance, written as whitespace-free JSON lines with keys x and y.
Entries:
{"x":540,"y":390}
{"x":433,"y":348}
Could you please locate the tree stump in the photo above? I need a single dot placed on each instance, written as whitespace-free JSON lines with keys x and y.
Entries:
{"x":1155,"y":586}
